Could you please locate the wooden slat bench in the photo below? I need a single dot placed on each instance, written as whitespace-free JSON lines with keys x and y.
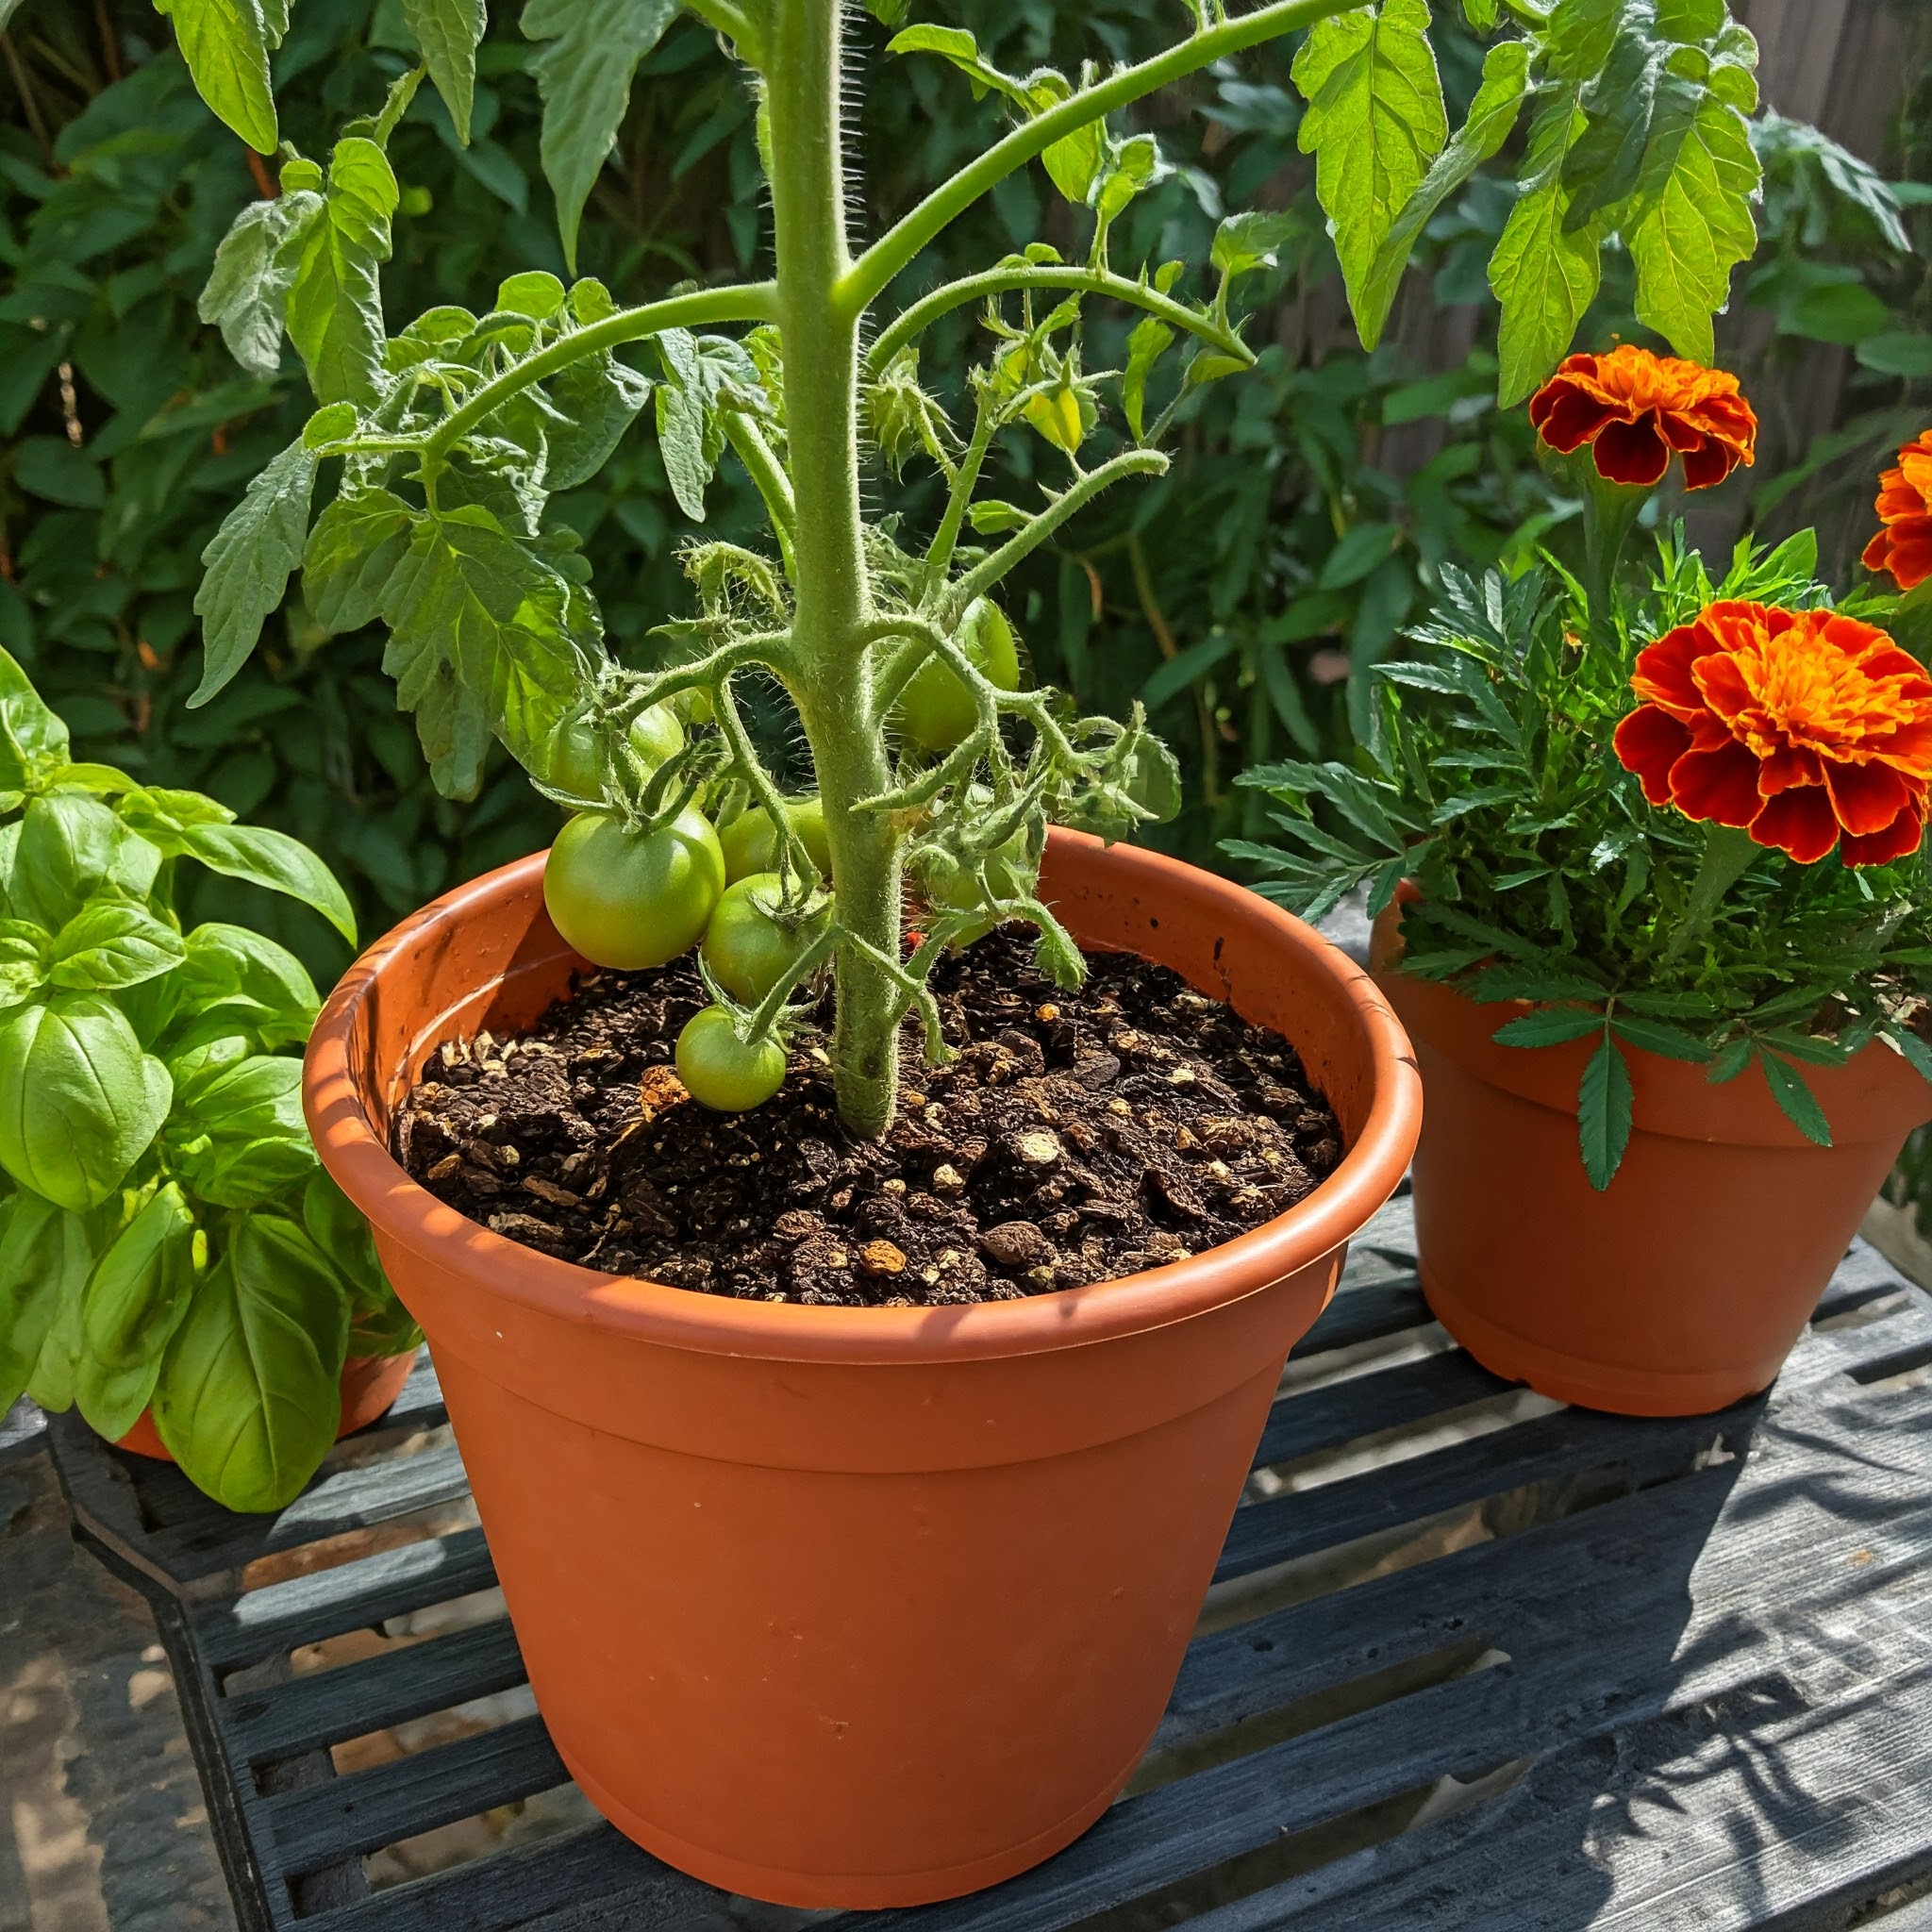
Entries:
{"x":1471,"y":1660}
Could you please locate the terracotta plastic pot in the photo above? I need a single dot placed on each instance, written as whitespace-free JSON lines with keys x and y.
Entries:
{"x":1683,"y":1286}
{"x":856,"y":1606}
{"x":370,"y":1384}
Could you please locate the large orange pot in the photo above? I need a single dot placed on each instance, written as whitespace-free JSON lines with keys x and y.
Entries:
{"x":371,"y":1384}
{"x":1683,"y":1286}
{"x":856,"y":1606}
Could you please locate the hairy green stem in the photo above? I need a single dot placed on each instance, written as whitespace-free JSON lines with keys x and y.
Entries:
{"x":984,"y":575}
{"x":741,"y":302}
{"x":1000,"y":281}
{"x":874,"y":270}
{"x":768,"y":474}
{"x":964,"y":480}
{"x":829,"y":685}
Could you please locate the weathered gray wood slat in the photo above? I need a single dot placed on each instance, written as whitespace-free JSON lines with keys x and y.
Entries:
{"x":1358,"y":1314}
{"x":355,"y":1595}
{"x":1383,"y":1399}
{"x":367,"y":1810}
{"x":344,"y":1500}
{"x":590,"y":1881}
{"x":1549,"y":1448}
{"x":372,"y":1693}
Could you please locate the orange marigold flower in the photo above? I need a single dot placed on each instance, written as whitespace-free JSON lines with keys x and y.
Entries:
{"x":1798,"y":725}
{"x":1634,"y":409}
{"x":1903,"y":546}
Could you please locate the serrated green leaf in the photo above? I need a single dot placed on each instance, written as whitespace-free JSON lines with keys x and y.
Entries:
{"x":479,"y":640}
{"x":1795,"y":1100}
{"x":956,"y":44}
{"x":1693,"y":223}
{"x":1491,"y":117}
{"x":335,"y":302}
{"x":1374,"y":123}
{"x":1550,"y":1026}
{"x":1605,"y":1106}
{"x":246,"y":295}
{"x":247,"y":563}
{"x":1149,"y":342}
{"x":353,"y":548}
{"x":584,"y":75}
{"x":1244,"y":242}
{"x":226,"y":45}
{"x":1659,"y":1037}
{"x":1544,"y":272}
{"x":447,"y":31}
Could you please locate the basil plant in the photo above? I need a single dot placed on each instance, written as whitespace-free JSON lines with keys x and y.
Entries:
{"x":437,"y":448}
{"x":167,"y":1238}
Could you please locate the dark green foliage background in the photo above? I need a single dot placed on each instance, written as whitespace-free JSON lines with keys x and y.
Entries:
{"x":1242,"y":597}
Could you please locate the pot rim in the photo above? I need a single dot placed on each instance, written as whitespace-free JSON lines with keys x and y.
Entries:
{"x":349,"y":1145}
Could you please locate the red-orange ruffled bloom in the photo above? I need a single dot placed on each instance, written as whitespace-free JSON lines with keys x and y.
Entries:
{"x":1634,"y":409}
{"x":1799,"y":725}
{"x":1903,"y":546}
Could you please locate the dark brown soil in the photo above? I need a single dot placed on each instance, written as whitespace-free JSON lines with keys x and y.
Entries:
{"x":1078,"y":1138}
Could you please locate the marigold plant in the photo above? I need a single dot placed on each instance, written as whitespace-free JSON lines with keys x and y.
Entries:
{"x":1903,"y":544}
{"x":1634,"y":409}
{"x":1621,"y":799}
{"x":446,"y":441}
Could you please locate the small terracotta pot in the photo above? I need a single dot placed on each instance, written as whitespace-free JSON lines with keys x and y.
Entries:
{"x":856,"y":1606}
{"x":1683,"y":1286}
{"x":370,"y":1384}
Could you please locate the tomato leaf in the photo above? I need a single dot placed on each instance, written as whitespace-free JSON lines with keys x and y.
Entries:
{"x":447,"y":31}
{"x":226,"y":44}
{"x":79,"y":1101}
{"x":335,"y":301}
{"x":246,"y":295}
{"x":247,"y":564}
{"x":351,"y":554}
{"x":1374,"y":123}
{"x":584,"y":75}
{"x":1491,"y":118}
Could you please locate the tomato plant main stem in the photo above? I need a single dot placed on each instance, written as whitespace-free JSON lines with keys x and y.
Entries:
{"x":830,"y":672}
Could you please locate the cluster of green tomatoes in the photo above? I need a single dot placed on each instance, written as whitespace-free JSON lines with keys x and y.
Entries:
{"x":632,"y":899}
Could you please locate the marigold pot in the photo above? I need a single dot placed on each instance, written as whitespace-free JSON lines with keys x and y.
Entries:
{"x":371,"y":1384}
{"x":856,"y":1608}
{"x":1683,"y":1286}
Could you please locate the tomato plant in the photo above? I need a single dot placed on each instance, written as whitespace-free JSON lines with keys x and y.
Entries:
{"x":448,"y":443}
{"x":751,"y":944}
{"x":166,"y":1235}
{"x":751,"y":845}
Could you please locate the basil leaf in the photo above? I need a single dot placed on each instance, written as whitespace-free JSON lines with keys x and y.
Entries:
{"x":584,"y":79}
{"x":79,"y":1101}
{"x":33,"y":738}
{"x":249,"y":1397}
{"x":71,"y":849}
{"x":43,"y":1259}
{"x":113,"y":943}
{"x":274,"y":859}
{"x":251,"y":981}
{"x":379,"y":1324}
{"x":247,"y":563}
{"x":23,"y":961}
{"x":133,"y":1302}
{"x":236,"y":1136}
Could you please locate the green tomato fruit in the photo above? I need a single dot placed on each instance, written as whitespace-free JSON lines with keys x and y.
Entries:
{"x":746,"y":949}
{"x":720,"y":1070}
{"x":935,"y":711}
{"x":751,"y":845}
{"x":570,"y":761}
{"x":627,"y":900}
{"x":950,"y":887}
